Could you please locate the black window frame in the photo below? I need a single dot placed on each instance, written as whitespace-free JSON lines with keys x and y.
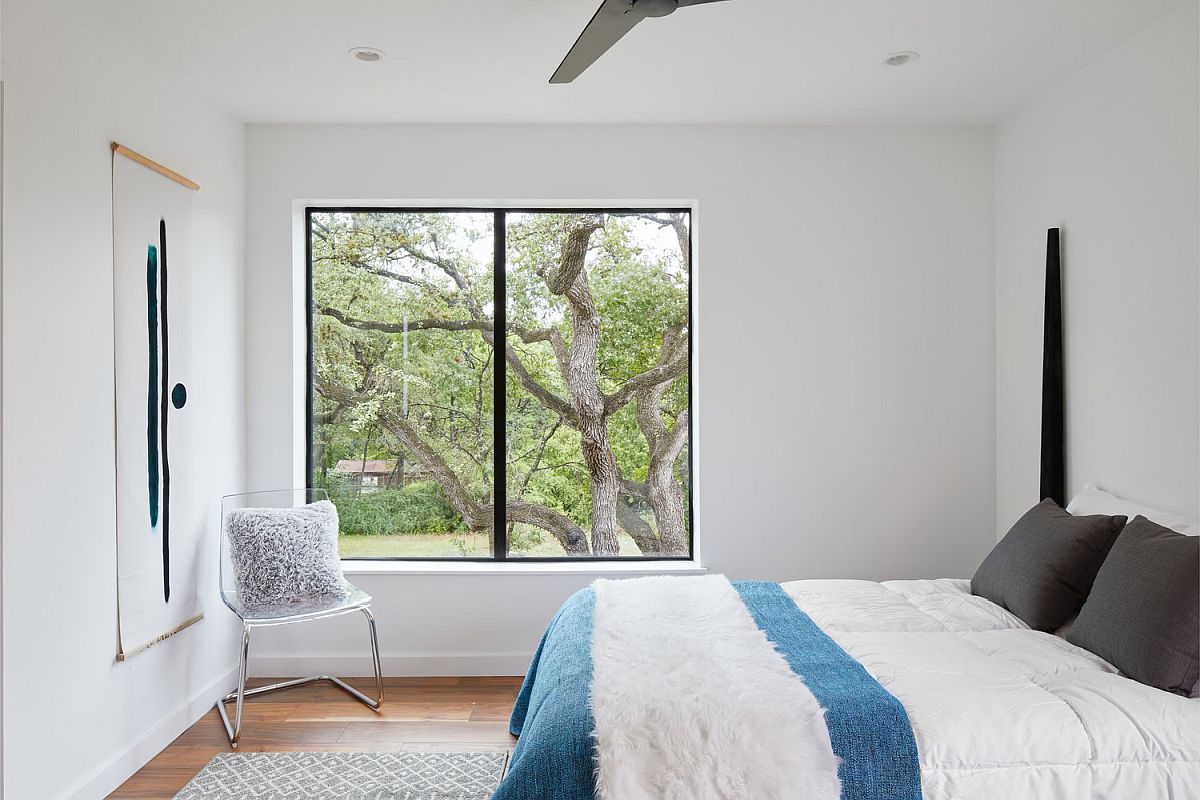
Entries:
{"x":500,"y":409}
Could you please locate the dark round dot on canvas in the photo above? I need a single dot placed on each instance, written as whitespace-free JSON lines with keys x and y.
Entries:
{"x":179,"y":395}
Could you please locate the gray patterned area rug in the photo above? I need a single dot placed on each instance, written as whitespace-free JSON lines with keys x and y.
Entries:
{"x":347,"y":776}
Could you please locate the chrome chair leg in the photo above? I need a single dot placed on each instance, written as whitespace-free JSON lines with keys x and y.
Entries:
{"x":370,"y":703}
{"x":234,"y":731}
{"x":375,"y":657}
{"x":241,"y":690}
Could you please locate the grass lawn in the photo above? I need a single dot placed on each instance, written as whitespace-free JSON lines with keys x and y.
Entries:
{"x":448,"y":545}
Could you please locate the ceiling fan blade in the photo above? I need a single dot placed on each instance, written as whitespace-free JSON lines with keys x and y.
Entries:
{"x":610,"y":22}
{"x":683,"y":3}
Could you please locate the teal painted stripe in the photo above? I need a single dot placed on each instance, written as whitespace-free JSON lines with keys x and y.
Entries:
{"x":868,"y":727}
{"x":152,"y":403}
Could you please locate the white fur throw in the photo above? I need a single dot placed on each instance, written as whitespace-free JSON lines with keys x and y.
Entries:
{"x":282,"y":556}
{"x":692,"y":702}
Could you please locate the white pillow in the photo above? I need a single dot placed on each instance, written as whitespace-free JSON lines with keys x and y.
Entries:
{"x":282,"y":556}
{"x":1094,"y":500}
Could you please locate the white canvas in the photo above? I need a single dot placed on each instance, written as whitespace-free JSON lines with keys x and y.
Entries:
{"x":154,"y":335}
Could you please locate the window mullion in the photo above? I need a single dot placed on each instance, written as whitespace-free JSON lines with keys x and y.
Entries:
{"x":499,"y":389}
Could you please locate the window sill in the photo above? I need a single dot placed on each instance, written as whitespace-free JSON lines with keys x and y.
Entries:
{"x":599,"y":569}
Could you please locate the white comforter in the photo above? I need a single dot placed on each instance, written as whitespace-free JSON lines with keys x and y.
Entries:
{"x":1001,"y":712}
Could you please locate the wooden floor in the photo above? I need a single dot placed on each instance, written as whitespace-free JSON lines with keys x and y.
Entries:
{"x":447,"y":714}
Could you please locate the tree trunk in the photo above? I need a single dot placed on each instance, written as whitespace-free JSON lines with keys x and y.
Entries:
{"x":321,"y":419}
{"x":569,"y":535}
{"x":473,"y":515}
{"x":662,"y":488}
{"x":605,"y":479}
{"x":638,"y":529}
{"x":664,"y":491}
{"x":570,"y":280}
{"x":683,"y":468}
{"x":666,"y":498}
{"x":589,"y":405}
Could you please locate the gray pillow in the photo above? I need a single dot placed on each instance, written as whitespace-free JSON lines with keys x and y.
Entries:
{"x":1143,"y":615}
{"x":1042,"y":570}
{"x":282,"y":556}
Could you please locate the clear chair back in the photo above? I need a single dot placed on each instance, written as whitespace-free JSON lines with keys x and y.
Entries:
{"x":276,"y":498}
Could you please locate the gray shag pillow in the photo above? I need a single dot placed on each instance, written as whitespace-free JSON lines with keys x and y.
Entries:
{"x":1144,"y":611}
{"x":1042,"y":570}
{"x":282,"y":556}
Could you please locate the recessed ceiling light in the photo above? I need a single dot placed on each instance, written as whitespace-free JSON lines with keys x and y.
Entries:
{"x":368,"y":54}
{"x":899,"y":59}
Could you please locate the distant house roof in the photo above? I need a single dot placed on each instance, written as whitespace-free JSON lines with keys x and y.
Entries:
{"x":356,"y":466}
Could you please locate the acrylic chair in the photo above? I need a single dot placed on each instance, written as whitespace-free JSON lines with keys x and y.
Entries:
{"x":301,"y":611}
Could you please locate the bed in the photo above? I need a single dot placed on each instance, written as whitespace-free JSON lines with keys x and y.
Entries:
{"x":692,"y":687}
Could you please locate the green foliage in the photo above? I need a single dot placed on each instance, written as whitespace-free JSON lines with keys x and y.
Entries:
{"x":447,"y":373}
{"x":391,"y":267}
{"x":419,"y":508}
{"x":524,"y":539}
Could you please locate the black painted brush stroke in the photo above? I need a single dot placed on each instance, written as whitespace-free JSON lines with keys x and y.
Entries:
{"x":165,"y":399}
{"x":152,"y":400}
{"x":1054,"y":460}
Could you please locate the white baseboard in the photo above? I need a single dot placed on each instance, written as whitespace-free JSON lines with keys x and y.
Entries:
{"x":117,"y":769}
{"x":417,"y":665}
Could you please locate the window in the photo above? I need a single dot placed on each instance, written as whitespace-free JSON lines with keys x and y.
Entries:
{"x":502,"y":384}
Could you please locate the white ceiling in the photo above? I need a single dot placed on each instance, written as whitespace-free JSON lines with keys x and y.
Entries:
{"x":743,"y":61}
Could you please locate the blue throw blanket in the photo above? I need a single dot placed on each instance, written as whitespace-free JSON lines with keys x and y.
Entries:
{"x":868,"y":727}
{"x":553,"y":757}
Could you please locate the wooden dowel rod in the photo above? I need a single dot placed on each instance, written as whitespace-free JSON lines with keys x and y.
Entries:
{"x":121,"y":150}
{"x":124,"y":654}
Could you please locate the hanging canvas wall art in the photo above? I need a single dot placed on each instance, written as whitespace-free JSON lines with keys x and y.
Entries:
{"x":159,"y":522}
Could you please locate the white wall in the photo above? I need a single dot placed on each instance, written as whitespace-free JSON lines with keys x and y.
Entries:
{"x":844,"y":417}
{"x":76,"y":723}
{"x":1,"y":431}
{"x":1110,"y":155}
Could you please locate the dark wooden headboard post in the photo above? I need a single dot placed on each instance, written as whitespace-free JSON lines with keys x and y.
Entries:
{"x":1054,"y":461}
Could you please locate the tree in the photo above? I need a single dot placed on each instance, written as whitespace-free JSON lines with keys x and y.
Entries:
{"x":596,"y":372}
